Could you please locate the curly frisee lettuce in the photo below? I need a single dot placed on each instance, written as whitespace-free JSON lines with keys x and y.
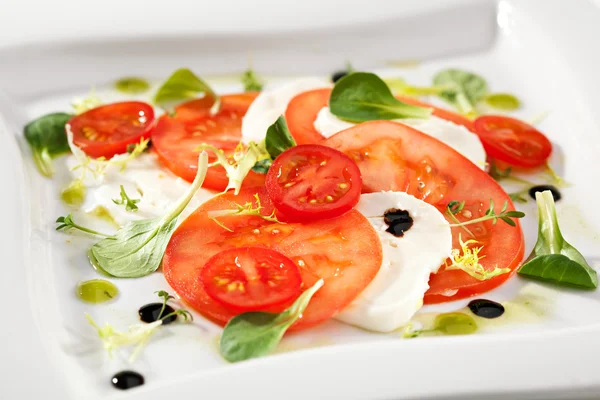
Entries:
{"x":247,"y":209}
{"x":137,"y":335}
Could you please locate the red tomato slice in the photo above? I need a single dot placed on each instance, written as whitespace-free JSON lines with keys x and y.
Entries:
{"x":440,"y":112}
{"x":310,"y":182}
{"x":302,"y":112}
{"x":392,"y":156}
{"x":175,"y":139}
{"x":303,"y":109}
{"x":251,"y":278}
{"x":107,"y":130}
{"x":513,"y":141}
{"x":344,"y":251}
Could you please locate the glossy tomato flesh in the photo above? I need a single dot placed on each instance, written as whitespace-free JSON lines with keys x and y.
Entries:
{"x":108,"y":130}
{"x":513,"y":141}
{"x":344,"y":251}
{"x":176,"y":138}
{"x":251,"y":278}
{"x":392,"y":156}
{"x":310,"y":182}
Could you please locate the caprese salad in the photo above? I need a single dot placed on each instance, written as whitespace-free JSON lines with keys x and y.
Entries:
{"x":354,"y":200}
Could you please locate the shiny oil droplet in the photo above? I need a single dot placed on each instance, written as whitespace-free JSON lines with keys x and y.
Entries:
{"x":455,"y":324}
{"x":96,"y":291}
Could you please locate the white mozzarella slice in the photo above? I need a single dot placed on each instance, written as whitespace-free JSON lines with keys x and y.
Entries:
{"x":456,"y":136}
{"x":396,"y":293}
{"x":272,"y":103}
{"x":143,"y":179}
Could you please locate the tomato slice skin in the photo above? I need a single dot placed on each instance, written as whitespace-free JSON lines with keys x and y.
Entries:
{"x":310,"y":182}
{"x":393,"y":156}
{"x":176,"y":139}
{"x":513,"y":141}
{"x":303,"y":109}
{"x":301,"y":114}
{"x":439,"y":112}
{"x":107,"y":130}
{"x":251,"y":279}
{"x":344,"y":251}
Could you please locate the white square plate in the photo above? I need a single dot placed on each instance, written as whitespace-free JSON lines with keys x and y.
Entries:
{"x":547,"y":347}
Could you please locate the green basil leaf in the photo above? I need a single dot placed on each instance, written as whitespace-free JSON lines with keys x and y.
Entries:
{"x":182,"y":85}
{"x":262,"y":167}
{"x":503,"y":101}
{"x":137,"y":249}
{"x":132,"y":85}
{"x":467,"y":88}
{"x":363,"y":96}
{"x":278,"y":138}
{"x":256,"y":334}
{"x":47,"y":137}
{"x":559,"y":269}
{"x":552,"y":258}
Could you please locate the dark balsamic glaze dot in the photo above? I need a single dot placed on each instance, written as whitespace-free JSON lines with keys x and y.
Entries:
{"x":150,"y":313}
{"x":540,"y":188}
{"x":486,"y":308}
{"x":338,"y":75}
{"x":398,"y":221}
{"x":127,"y":379}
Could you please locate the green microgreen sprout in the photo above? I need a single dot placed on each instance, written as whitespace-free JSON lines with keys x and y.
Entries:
{"x":129,"y":203}
{"x":251,"y":81}
{"x":490,"y":214}
{"x":66,"y":223}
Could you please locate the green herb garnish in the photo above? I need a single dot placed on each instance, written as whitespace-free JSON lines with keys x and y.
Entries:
{"x":251,"y":81}
{"x":137,"y":249}
{"x":47,"y":138}
{"x":466,"y":89}
{"x":132,"y":85}
{"x":262,"y":167}
{"x":552,"y":258}
{"x":125,"y":200}
{"x":278,"y":138}
{"x":503,"y":101}
{"x":363,"y":96}
{"x":256,"y":334}
{"x":247,"y":209}
{"x":454,"y":207}
{"x":183,"y":85}
{"x":506,"y":174}
{"x":66,"y":223}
